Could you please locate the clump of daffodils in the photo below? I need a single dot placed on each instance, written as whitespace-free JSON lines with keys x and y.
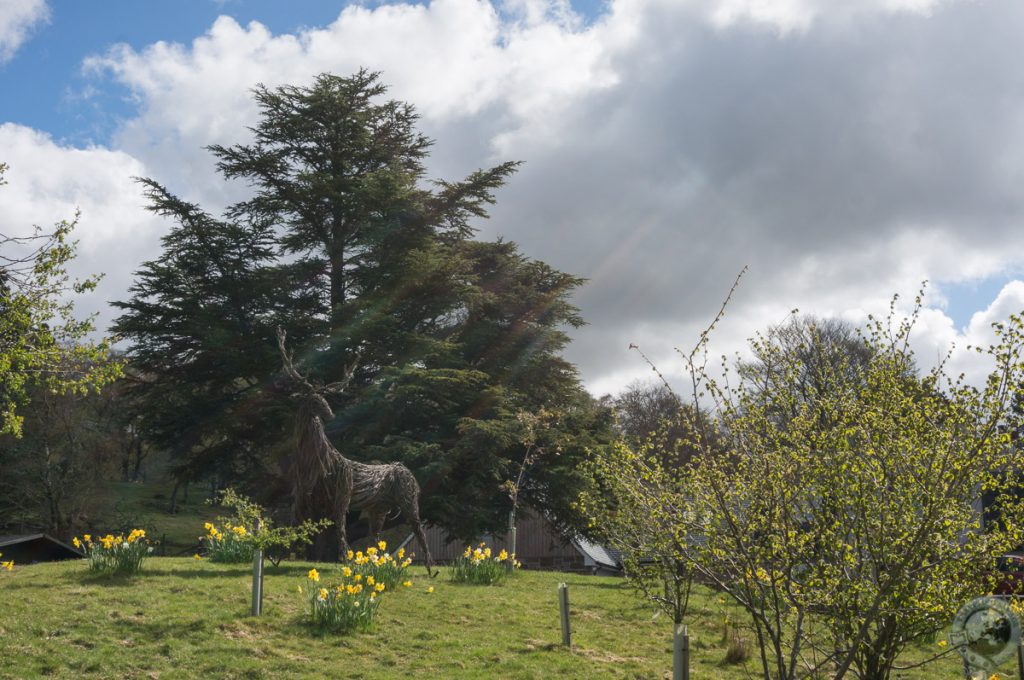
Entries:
{"x":115,"y":554}
{"x":8,"y":565}
{"x":379,"y":564}
{"x":480,"y":565}
{"x":233,"y":545}
{"x":349,"y":604}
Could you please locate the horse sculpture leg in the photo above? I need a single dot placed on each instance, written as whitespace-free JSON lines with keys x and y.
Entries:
{"x":341,"y":529}
{"x":413,"y":513}
{"x":376,"y":518}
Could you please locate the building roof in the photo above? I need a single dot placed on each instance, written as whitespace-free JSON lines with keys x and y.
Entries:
{"x":598,"y":554}
{"x":36,"y":548}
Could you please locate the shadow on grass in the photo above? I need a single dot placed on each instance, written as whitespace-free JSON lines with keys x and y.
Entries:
{"x":95,"y":578}
{"x":86,"y":577}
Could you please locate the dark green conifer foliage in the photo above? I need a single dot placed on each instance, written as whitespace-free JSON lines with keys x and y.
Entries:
{"x":346,"y":245}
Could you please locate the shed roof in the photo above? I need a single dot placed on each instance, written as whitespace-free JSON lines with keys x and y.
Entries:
{"x":36,"y":548}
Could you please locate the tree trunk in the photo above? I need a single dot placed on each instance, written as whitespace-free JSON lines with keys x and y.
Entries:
{"x":172,"y":506}
{"x":138,"y":460}
{"x":336,"y":256}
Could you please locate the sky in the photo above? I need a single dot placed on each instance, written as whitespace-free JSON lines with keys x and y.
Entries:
{"x":844,"y":151}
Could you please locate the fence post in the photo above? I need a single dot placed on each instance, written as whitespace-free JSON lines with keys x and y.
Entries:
{"x":257,"y":579}
{"x":563,"y":605}
{"x":511,"y":540}
{"x":681,"y":653}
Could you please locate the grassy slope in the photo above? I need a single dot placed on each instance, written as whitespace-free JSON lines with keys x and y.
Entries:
{"x":183,"y":618}
{"x":145,"y":506}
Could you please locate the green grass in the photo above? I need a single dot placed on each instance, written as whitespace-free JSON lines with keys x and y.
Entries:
{"x":182,"y":618}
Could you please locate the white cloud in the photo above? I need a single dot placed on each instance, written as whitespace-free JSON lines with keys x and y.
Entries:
{"x":844,"y":150}
{"x":47,"y":182}
{"x":790,"y":15}
{"x":17,"y":19}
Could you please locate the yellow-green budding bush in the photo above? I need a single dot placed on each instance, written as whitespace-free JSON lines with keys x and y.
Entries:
{"x":249,"y":529}
{"x":477,"y":565}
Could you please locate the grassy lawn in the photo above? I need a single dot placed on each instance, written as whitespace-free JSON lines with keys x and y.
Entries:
{"x":183,"y":618}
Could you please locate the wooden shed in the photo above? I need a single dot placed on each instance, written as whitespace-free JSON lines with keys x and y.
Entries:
{"x":32,"y":548}
{"x":538,"y":546}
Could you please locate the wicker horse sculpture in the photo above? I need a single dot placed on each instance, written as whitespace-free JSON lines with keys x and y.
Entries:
{"x":326,"y":484}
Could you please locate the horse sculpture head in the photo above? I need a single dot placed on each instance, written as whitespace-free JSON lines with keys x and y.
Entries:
{"x":311,"y":400}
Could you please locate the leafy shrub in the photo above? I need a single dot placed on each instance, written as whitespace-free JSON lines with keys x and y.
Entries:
{"x":115,"y":554}
{"x":249,"y":529}
{"x":477,"y":566}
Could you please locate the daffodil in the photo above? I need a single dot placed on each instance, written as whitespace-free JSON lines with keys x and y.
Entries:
{"x":313,"y":575}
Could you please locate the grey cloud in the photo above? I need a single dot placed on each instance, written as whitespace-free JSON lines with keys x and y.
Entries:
{"x":814,"y":156}
{"x":725,"y":147}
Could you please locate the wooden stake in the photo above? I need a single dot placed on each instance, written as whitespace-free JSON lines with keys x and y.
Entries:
{"x":257,"y":578}
{"x":563,"y":605}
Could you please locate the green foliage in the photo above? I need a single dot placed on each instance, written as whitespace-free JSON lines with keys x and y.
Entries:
{"x":40,"y":340}
{"x":348,"y":246}
{"x":55,"y":475}
{"x":201,"y":325}
{"x":842,"y":516}
{"x":249,"y":529}
{"x":625,"y":510}
{"x":110,"y":555}
{"x":477,"y":565}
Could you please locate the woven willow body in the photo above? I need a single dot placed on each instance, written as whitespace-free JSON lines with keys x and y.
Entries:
{"x":327,"y":484}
